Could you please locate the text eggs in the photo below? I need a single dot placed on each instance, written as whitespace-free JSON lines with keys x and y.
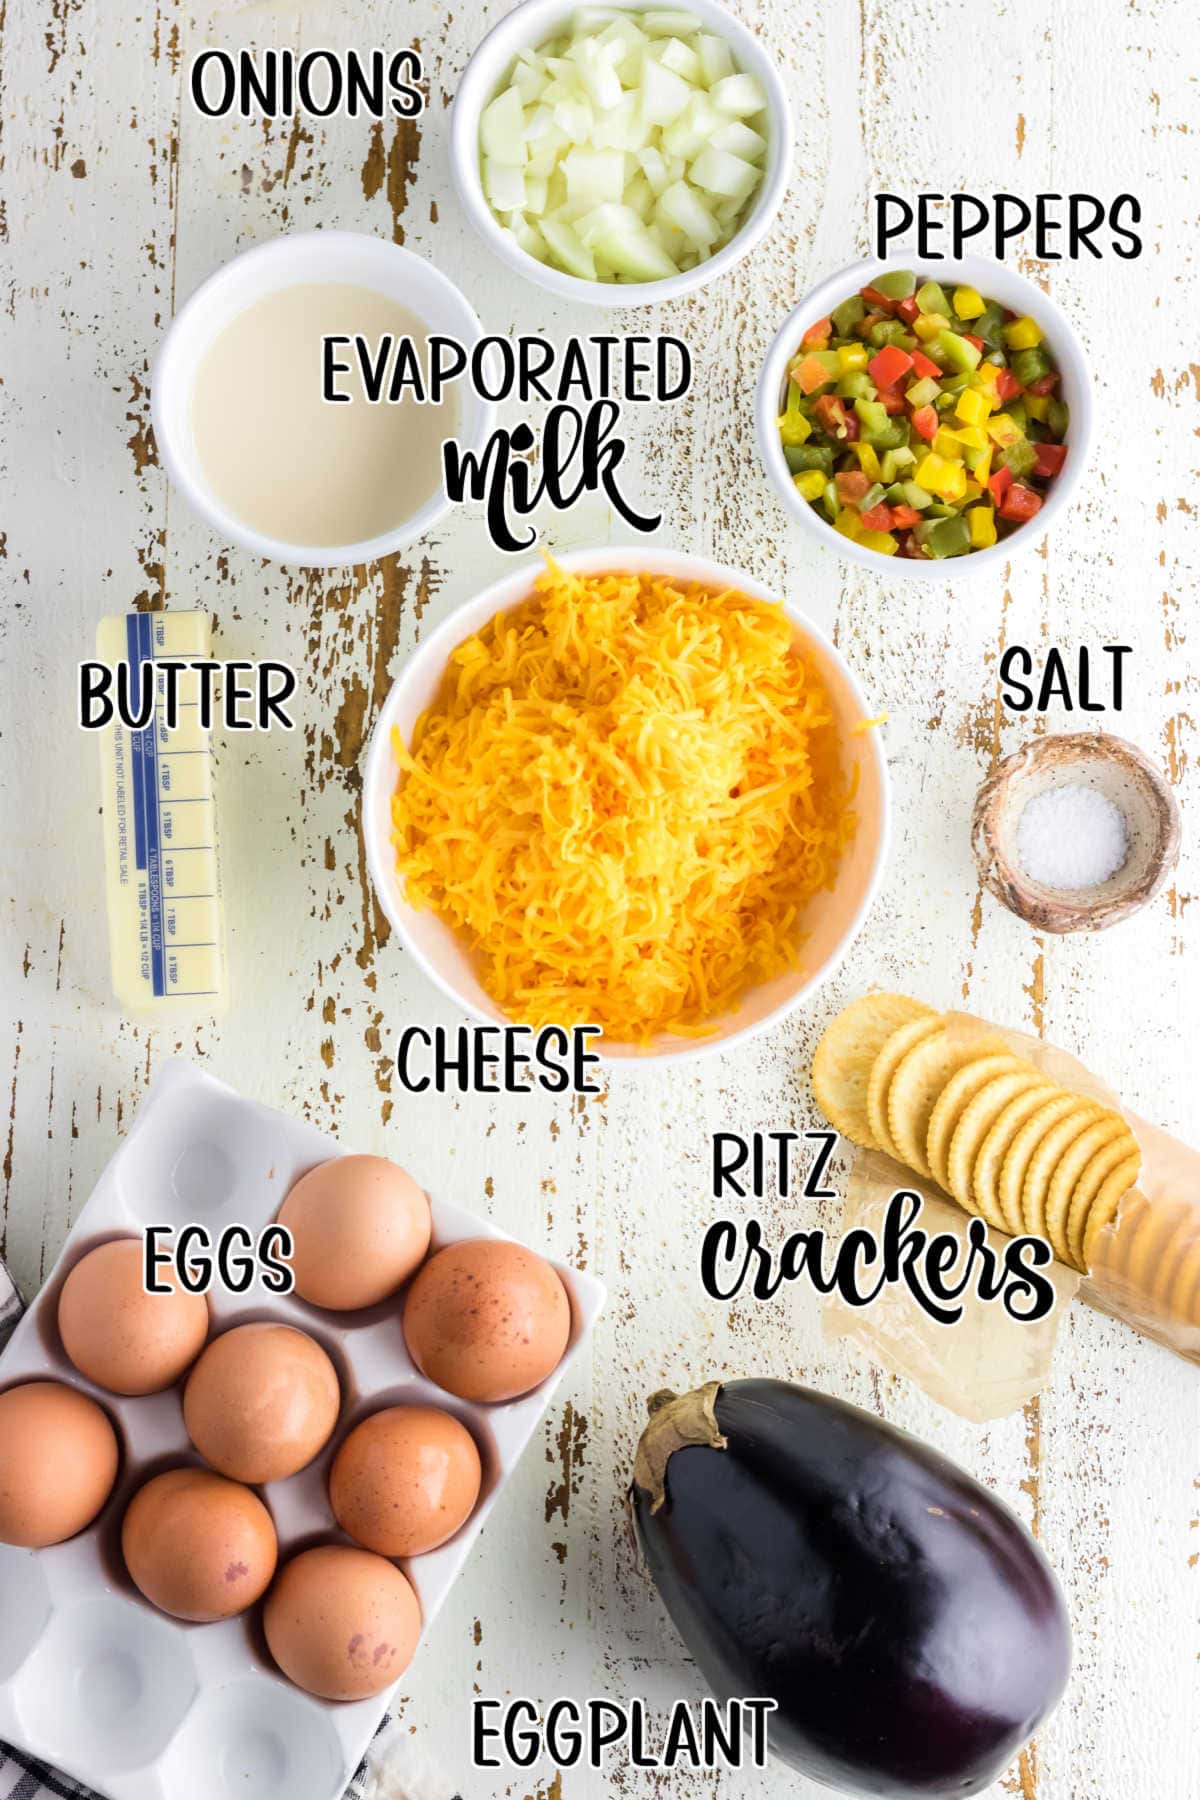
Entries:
{"x":58,"y":1462}
{"x":117,"y":1334}
{"x":342,"y":1623}
{"x":405,"y":1480}
{"x":360,"y":1225}
{"x":486,"y":1319}
{"x":198,"y":1546}
{"x":262,"y":1402}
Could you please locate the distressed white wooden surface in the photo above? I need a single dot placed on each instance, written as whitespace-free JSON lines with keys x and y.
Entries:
{"x":118,"y":201}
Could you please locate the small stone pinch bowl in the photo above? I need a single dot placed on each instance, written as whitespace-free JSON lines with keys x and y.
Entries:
{"x":1112,"y":767}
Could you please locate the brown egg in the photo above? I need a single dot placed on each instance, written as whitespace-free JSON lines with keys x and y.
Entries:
{"x":198,"y":1546}
{"x":342,"y":1623}
{"x":117,"y":1334}
{"x":486,"y":1319}
{"x":261,"y":1402}
{"x":58,"y":1462}
{"x":405,"y":1480}
{"x":360,"y":1226}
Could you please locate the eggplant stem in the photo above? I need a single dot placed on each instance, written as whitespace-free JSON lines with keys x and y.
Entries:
{"x":677,"y":1421}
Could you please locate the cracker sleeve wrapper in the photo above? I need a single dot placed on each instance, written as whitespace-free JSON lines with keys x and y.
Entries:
{"x":1145,"y":1266}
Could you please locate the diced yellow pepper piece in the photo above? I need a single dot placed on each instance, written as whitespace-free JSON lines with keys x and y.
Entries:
{"x":945,"y":479}
{"x":983,"y":469}
{"x":1023,"y":334}
{"x":969,"y":302}
{"x":946,"y":444}
{"x":987,"y":375}
{"x":868,"y":460}
{"x":809,"y":484}
{"x":972,"y":491}
{"x":982,"y":521}
{"x":853,"y":356}
{"x":883,"y":541}
{"x":1037,"y":406}
{"x":794,"y":428}
{"x":847,"y":522}
{"x":973,"y":406}
{"x":1004,"y":430}
{"x":972,"y":436}
{"x":928,"y":325}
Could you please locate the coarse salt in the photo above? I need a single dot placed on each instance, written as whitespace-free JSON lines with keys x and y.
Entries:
{"x":1071,"y":837}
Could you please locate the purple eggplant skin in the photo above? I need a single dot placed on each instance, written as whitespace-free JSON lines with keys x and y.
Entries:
{"x":910,"y":1629}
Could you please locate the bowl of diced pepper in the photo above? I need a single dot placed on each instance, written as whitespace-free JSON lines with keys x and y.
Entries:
{"x":926,"y":417}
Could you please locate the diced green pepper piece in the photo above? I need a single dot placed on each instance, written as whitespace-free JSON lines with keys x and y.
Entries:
{"x":923,"y":393}
{"x":1059,"y":417}
{"x":954,"y":384}
{"x":872,"y":416}
{"x":831,"y":500}
{"x":892,"y":435}
{"x":872,"y":497}
{"x":1031,"y":365}
{"x":888,"y":331}
{"x":1020,"y":458}
{"x":849,"y":314}
{"x":944,"y":537}
{"x":912,"y":494}
{"x":931,"y":298}
{"x":1016,"y":412}
{"x":894,"y":461}
{"x":955,"y":352}
{"x":897,"y":284}
{"x":940,"y":509}
{"x":809,"y":456}
{"x":857,"y":385}
{"x":989,"y":324}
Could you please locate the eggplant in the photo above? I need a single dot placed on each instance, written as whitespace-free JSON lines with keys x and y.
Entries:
{"x":904,"y":1621}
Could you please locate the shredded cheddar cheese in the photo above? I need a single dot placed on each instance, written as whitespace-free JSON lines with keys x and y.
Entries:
{"x":622,"y":798}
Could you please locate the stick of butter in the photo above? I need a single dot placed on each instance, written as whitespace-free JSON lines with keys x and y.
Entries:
{"x":165,"y":917}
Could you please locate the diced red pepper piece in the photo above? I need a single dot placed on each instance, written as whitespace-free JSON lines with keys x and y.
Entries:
{"x":904,"y":516}
{"x":1045,"y":384}
{"x":907,"y":545}
{"x":851,"y":485}
{"x":977,"y":341}
{"x":881,"y":302}
{"x":853,"y":429}
{"x":925,"y":422}
{"x":879,"y":518}
{"x":1000,"y":482}
{"x":1050,"y":459}
{"x":1020,"y":503}
{"x":817,"y":336}
{"x":886,"y":368}
{"x":908,"y":309}
{"x":924,"y":366}
{"x":810,"y":375}
{"x":891,"y":399}
{"x":830,"y":414}
{"x":1007,"y":386}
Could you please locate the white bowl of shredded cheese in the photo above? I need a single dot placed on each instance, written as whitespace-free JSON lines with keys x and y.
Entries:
{"x":828,"y":922}
{"x":506,"y":227}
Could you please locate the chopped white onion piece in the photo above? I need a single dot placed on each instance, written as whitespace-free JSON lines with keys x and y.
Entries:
{"x":626,"y":148}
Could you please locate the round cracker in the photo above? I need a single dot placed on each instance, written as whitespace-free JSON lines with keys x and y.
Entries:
{"x":1023,"y":1095}
{"x":1035,"y":1190}
{"x":1174,"y":1256}
{"x":1087,"y":1186}
{"x":917,"y":1085}
{"x":1106,"y":1205}
{"x":1019,"y":1155}
{"x":953,"y":1101}
{"x":842,"y":1064}
{"x":884,"y":1067}
{"x":1152,"y":1259}
{"x":1183,"y":1300}
{"x":1109,"y":1129}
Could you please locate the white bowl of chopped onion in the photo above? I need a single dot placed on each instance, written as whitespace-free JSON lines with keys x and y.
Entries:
{"x":828,"y":921}
{"x":644,"y":159}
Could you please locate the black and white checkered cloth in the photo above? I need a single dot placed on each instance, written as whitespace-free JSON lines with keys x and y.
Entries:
{"x":21,"y":1778}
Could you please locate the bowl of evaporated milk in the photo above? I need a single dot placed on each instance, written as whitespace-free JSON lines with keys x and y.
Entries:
{"x":242,"y":411}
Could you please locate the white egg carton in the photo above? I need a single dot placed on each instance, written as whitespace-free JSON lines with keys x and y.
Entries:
{"x":95,"y":1680}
